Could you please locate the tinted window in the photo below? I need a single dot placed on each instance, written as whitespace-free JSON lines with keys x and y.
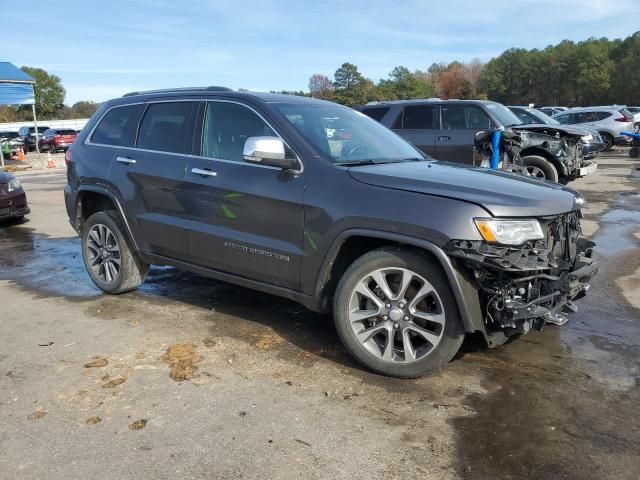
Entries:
{"x":525,"y":116}
{"x":563,"y":119}
{"x":227,"y":126}
{"x":164,"y":127}
{"x":417,"y":117}
{"x":64,"y":132}
{"x":603,"y":115}
{"x":376,"y":113}
{"x":586,"y":117}
{"x":455,"y":117}
{"x":118,"y":126}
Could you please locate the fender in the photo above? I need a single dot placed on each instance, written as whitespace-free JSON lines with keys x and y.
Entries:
{"x":464,"y":291}
{"x":116,"y":201}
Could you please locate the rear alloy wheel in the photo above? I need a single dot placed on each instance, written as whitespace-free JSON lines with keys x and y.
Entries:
{"x":540,"y":168}
{"x":395,"y":313}
{"x":109,"y":260}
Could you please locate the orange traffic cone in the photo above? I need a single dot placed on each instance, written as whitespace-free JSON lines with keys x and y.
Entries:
{"x":50,"y":162}
{"x":20,"y":154}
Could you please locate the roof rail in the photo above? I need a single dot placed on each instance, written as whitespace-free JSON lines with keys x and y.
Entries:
{"x":212,"y":88}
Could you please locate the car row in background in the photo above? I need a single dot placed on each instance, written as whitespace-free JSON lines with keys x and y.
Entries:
{"x":28,"y":137}
{"x":47,"y":139}
{"x":446,"y":130}
{"x":56,"y":139}
{"x":610,"y":122}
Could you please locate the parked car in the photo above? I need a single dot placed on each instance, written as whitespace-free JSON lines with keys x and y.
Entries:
{"x":56,"y":139}
{"x":27,"y":135}
{"x":409,"y":253}
{"x":636,"y":118}
{"x":13,"y":138}
{"x":551,"y":111}
{"x":13,"y":200}
{"x":609,"y":121}
{"x":591,"y":140}
{"x":445,"y":129}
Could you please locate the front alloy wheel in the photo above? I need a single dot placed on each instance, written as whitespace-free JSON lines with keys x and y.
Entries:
{"x":103,"y":253}
{"x":395,"y":313}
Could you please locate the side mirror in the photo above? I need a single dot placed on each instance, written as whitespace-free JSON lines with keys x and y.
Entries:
{"x":268,"y":151}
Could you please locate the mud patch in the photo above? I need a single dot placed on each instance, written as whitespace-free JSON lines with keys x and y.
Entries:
{"x":92,"y":420}
{"x":138,"y":424}
{"x":181,"y":359}
{"x":36,"y":415}
{"x":97,"y":363}
{"x":112,"y":383}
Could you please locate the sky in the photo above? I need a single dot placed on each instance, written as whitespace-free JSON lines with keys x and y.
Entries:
{"x":102,"y":50}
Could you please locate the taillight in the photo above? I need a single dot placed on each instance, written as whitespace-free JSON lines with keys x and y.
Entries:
{"x":67,"y":157}
{"x":624,"y":119}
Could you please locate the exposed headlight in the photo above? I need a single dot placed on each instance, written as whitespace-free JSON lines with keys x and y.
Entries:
{"x":509,"y":232}
{"x":14,"y":184}
{"x":587,"y":138}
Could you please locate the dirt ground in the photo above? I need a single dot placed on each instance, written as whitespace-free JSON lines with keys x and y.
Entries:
{"x":193,"y":378}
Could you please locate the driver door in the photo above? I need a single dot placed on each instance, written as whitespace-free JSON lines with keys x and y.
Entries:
{"x":244,"y":219}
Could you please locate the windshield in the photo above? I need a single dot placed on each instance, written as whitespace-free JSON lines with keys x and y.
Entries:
{"x":532,"y":115}
{"x":347,"y":136}
{"x":505,"y":116}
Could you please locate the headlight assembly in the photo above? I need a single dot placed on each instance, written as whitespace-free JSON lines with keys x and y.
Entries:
{"x":14,"y":184}
{"x":509,"y":232}
{"x":586,"y":138}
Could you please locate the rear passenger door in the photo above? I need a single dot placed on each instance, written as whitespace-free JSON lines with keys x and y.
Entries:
{"x":416,"y":124}
{"x":151,"y":177}
{"x":458,"y":125}
{"x":245,"y":219}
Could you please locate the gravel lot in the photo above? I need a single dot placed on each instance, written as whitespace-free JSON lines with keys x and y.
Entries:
{"x":193,"y":378}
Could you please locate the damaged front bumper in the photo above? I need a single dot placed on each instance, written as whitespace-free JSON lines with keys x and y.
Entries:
{"x":524,"y":287}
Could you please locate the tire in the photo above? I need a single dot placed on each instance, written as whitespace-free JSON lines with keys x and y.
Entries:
{"x":607,"y":138}
{"x":634,"y":152}
{"x":539,"y":167}
{"x":401,"y":322}
{"x":111,"y":263}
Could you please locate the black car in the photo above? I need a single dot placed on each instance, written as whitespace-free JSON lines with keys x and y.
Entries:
{"x":445,"y":129}
{"x":13,"y":200}
{"x":28,"y":137}
{"x":409,"y":253}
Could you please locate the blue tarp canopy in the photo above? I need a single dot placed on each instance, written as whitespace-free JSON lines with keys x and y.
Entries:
{"x":16,"y":87}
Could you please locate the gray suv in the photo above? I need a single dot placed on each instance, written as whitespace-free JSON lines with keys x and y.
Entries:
{"x":316,"y":202}
{"x":446,"y":130}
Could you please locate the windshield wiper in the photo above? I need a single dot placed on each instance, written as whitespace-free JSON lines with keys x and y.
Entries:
{"x":356,"y":163}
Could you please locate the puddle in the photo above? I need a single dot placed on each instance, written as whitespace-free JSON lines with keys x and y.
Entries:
{"x":618,"y":225}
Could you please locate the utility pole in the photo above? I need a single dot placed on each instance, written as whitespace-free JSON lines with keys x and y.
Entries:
{"x":35,"y":124}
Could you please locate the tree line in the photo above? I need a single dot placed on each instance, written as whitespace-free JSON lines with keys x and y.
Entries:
{"x":50,"y":105}
{"x":591,"y":72}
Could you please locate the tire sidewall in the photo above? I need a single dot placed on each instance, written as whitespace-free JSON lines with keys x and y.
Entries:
{"x":453,"y":334}
{"x":550,"y":171}
{"x":109,"y":219}
{"x":608,"y":139}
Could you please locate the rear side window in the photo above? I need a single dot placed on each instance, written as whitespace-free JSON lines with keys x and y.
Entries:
{"x":118,"y":126}
{"x":165,"y":127}
{"x":464,"y":117}
{"x":415,"y":117}
{"x":376,"y":113}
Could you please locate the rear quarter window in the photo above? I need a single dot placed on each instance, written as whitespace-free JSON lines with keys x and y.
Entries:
{"x":603,"y":115}
{"x":376,"y":113}
{"x":118,"y":126}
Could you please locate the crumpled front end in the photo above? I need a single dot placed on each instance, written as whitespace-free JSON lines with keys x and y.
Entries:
{"x":524,"y":287}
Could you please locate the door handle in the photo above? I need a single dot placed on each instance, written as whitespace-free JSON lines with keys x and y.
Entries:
{"x":443,"y":138}
{"x":203,"y":172}
{"x":128,"y":161}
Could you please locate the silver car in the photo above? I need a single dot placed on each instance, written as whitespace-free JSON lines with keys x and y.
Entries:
{"x":636,"y":118}
{"x":608,"y":121}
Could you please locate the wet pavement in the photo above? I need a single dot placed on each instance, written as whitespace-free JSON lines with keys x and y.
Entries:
{"x":192,"y":378}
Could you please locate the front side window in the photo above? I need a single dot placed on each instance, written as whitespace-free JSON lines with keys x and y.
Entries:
{"x":465,"y":117}
{"x":525,"y":116}
{"x":165,"y":127}
{"x":563,"y":119}
{"x":415,"y":117}
{"x":226,"y":128}
{"x":118,"y":126}
{"x":352,"y":138}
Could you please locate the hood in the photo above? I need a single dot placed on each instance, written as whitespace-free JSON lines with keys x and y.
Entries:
{"x":5,"y":177}
{"x":538,"y":127}
{"x":501,"y":194}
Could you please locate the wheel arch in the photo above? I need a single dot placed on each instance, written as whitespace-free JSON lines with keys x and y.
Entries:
{"x":91,"y":199}
{"x":541,"y":152}
{"x":342,"y":253}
